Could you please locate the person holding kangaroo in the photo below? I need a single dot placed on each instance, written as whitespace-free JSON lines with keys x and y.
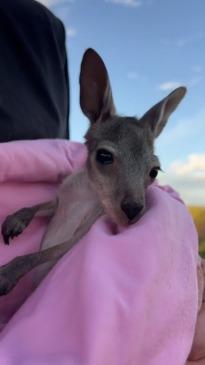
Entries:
{"x":117,"y":181}
{"x":121,"y":164}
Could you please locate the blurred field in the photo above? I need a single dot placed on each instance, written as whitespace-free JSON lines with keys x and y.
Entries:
{"x":198,"y":214}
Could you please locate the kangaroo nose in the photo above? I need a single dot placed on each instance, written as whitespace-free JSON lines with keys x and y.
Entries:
{"x":131,"y":208}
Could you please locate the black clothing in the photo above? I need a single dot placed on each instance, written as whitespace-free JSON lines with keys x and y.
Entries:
{"x":34,"y":90}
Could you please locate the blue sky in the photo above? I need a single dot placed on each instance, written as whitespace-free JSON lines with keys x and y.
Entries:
{"x":149,"y":47}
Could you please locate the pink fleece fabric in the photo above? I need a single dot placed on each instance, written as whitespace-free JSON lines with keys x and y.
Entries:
{"x":118,"y":298}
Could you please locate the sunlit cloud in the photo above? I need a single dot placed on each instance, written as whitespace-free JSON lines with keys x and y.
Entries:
{"x":169,"y":85}
{"x":129,"y":3}
{"x":187,"y":174}
{"x":188,"y":178}
{"x":194,"y":166}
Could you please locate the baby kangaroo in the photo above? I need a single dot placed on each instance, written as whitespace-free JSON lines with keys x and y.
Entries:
{"x":121,"y":164}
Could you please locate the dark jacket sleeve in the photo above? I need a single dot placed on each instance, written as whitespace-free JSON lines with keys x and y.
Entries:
{"x":34,"y":84}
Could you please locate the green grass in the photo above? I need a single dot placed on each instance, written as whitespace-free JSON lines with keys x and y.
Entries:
{"x":202,"y":249}
{"x":198,"y":214}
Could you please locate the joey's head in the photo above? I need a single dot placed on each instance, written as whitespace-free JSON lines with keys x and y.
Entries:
{"x":121,"y":162}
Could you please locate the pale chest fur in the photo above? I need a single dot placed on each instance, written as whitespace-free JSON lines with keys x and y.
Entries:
{"x":76,"y":201}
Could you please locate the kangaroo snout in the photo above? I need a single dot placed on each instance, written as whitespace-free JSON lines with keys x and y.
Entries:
{"x":131,"y":208}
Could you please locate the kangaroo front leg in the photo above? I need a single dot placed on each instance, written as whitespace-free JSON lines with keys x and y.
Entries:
{"x":12,"y":272}
{"x":15,"y":223}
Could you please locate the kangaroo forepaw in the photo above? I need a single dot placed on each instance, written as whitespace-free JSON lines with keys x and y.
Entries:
{"x":11,"y":228}
{"x":16,"y":223}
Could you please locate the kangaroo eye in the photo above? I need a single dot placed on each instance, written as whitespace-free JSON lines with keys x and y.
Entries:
{"x":104,"y":157}
{"x":154,"y":172}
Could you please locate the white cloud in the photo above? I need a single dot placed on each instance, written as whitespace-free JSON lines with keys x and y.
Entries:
{"x":184,"y":137}
{"x":194,"y":166}
{"x":133,"y":75}
{"x":169,"y":85}
{"x":188,"y":178}
{"x":71,"y":32}
{"x":129,"y":3}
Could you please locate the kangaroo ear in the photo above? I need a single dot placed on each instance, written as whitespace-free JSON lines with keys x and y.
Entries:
{"x":158,"y":115}
{"x":95,"y":92}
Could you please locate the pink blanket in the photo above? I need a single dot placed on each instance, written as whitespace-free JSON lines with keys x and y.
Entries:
{"x":126,"y":298}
